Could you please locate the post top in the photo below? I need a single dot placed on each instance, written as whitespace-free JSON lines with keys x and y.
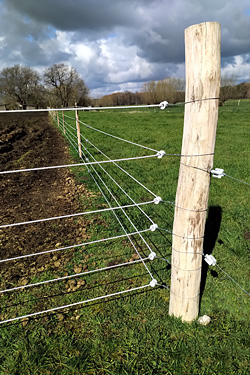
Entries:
{"x":204,"y":25}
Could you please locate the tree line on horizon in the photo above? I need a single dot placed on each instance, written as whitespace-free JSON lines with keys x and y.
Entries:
{"x":59,"y":86}
{"x":62,"y":86}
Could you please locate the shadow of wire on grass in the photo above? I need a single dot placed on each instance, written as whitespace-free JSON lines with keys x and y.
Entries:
{"x":84,"y":305}
{"x":212,"y":229}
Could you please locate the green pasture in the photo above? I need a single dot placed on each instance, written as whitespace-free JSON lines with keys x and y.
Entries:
{"x":132,"y":333}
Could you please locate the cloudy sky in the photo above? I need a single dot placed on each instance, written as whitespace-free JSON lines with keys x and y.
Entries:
{"x":119,"y":44}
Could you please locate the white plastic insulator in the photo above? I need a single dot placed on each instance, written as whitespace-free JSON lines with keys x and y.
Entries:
{"x":157,"y":200}
{"x":153,"y":283}
{"x":153,"y":227}
{"x":152,"y":256}
{"x":163,"y":105}
{"x":210,"y":260}
{"x":217,"y":172}
{"x":87,"y":159}
{"x":160,"y":154}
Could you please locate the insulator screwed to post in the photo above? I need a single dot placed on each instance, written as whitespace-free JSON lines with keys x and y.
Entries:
{"x":160,"y":154}
{"x":157,"y":200}
{"x":217,"y":173}
{"x":153,"y":227}
{"x":163,"y":104}
{"x":153,"y":283}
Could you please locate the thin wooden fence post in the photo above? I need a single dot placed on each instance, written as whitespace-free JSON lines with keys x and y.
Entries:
{"x":202,"y":49}
{"x":78,"y":132}
{"x":58,"y":123}
{"x":63,"y":122}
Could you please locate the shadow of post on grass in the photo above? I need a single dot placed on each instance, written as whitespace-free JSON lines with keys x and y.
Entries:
{"x":211,"y":234}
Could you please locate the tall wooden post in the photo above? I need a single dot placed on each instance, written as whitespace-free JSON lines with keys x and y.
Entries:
{"x":78,"y":133}
{"x":202,"y":49}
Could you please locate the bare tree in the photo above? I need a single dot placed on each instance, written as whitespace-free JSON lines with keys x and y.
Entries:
{"x":20,"y":85}
{"x":66,"y":84}
{"x":228,"y":81}
{"x":167,"y":89}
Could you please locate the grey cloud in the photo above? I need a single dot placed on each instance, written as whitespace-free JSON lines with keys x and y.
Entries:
{"x":68,"y":15}
{"x":155,"y":26}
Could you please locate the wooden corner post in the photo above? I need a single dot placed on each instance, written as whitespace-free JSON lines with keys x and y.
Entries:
{"x":78,"y":133}
{"x":202,"y":50}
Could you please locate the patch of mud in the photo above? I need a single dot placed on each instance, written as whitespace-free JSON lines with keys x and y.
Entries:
{"x":28,"y":141}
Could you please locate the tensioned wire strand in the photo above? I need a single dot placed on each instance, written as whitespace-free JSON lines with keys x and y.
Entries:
{"x":236,"y":179}
{"x":120,"y":186}
{"x":73,"y":304}
{"x":119,"y":219}
{"x":122,"y":169}
{"x":73,"y":246}
{"x":116,"y":199}
{"x":75,"y":165}
{"x":118,"y":202}
{"x":128,"y":236}
{"x":113,"y":161}
{"x":72,"y":276}
{"x":50,"y":110}
{"x":77,"y":303}
{"x":113,"y":136}
{"x":133,"y":143}
{"x":161,"y":105}
{"x":232,"y":279}
{"x":73,"y":215}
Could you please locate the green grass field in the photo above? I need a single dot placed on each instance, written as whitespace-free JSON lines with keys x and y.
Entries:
{"x":132,"y":333}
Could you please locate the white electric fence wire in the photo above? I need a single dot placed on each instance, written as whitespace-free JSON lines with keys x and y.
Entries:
{"x":232,"y":279}
{"x":160,"y":105}
{"x":76,"y":165}
{"x":122,"y":169}
{"x":115,"y":213}
{"x":119,"y":186}
{"x":71,"y":140}
{"x":118,"y":202}
{"x":73,"y":246}
{"x":73,"y":304}
{"x":113,"y":136}
{"x":73,"y":215}
{"x":236,"y":179}
{"x":128,"y":236}
{"x":72,"y":276}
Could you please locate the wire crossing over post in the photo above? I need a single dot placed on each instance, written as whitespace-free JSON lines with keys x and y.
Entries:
{"x":202,"y":49}
{"x":78,"y":133}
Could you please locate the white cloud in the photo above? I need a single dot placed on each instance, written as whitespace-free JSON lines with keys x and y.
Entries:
{"x":240,"y":68}
{"x":2,"y":42}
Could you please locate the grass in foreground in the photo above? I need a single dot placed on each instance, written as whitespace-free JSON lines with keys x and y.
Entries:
{"x":133,"y":334}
